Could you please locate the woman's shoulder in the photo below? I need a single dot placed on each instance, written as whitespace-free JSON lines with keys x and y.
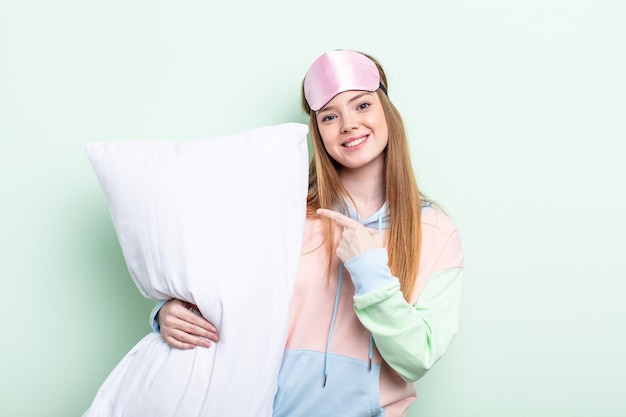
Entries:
{"x":441,"y":243}
{"x":435,"y":220}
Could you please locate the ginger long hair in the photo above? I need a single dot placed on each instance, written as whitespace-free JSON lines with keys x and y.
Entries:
{"x":403,"y":198}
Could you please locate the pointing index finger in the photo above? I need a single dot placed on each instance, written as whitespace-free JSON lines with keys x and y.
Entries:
{"x":338,"y":218}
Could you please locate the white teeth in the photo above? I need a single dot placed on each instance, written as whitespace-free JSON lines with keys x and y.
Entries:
{"x":355,"y":142}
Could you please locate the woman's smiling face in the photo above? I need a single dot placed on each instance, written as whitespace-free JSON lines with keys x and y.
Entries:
{"x":354,"y":129}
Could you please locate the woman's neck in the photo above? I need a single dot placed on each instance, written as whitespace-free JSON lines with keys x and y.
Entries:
{"x":367,"y":190}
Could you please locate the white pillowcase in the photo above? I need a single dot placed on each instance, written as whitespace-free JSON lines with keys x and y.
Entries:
{"x":216,"y":222}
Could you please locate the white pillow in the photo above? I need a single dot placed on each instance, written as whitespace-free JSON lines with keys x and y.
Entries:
{"x":216,"y":222}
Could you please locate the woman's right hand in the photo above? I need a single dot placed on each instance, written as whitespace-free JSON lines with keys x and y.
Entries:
{"x":183,"y":327}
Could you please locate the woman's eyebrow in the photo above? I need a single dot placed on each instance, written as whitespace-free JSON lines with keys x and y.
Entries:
{"x":358,"y":96}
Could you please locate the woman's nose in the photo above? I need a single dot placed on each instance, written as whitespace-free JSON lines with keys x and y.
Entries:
{"x":349,"y":123}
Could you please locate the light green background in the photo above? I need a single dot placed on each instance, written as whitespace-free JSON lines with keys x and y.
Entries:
{"x":515,"y":111}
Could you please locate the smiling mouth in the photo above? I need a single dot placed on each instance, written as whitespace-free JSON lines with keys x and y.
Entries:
{"x":355,"y":142}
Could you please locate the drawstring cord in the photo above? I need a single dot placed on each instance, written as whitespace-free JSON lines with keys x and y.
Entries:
{"x":332,"y":322}
{"x":371,"y":353}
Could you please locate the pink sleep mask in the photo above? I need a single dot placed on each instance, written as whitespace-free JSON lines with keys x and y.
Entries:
{"x":337,"y":71}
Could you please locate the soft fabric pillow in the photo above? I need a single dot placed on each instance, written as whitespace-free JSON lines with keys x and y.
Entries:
{"x":216,"y":222}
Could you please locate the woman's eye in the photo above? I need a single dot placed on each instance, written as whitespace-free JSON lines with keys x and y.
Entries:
{"x":328,"y":118}
{"x":363,"y":106}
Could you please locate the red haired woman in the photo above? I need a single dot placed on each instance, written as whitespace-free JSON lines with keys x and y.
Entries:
{"x":376,"y":301}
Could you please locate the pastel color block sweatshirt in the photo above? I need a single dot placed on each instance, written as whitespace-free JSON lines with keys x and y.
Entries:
{"x":326,"y":368}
